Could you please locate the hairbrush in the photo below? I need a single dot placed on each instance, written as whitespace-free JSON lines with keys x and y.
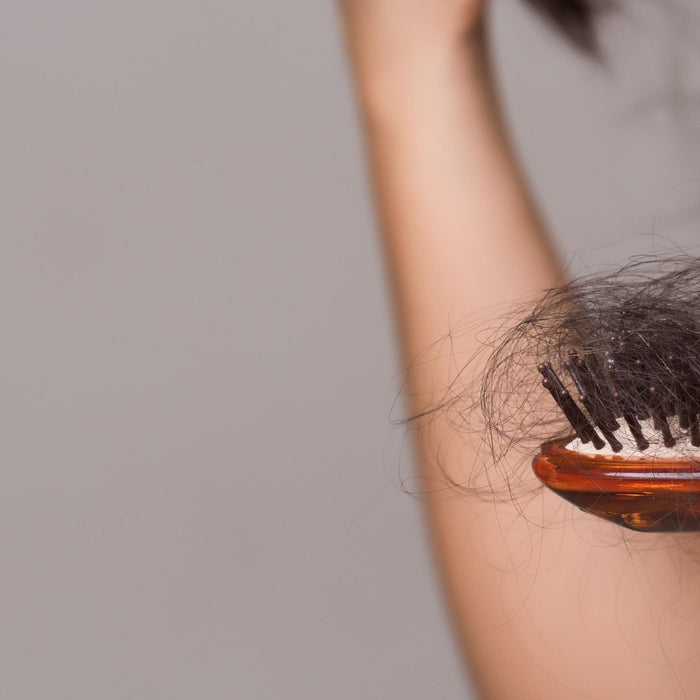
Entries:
{"x":619,"y":355}
{"x":630,"y":459}
{"x":631,"y":396}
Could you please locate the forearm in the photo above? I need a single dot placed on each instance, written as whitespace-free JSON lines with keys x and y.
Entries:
{"x":460,"y":230}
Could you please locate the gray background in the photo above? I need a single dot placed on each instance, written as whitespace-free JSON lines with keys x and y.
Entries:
{"x":201,"y":490}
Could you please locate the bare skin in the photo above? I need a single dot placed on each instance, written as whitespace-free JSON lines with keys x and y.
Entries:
{"x":564,"y":611}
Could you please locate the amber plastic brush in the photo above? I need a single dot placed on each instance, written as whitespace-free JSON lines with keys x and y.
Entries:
{"x":624,"y":462}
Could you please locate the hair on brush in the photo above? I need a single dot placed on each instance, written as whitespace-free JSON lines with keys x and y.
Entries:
{"x":618,"y":355}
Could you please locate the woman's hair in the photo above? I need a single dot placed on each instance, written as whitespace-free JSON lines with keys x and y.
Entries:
{"x":575,"y":18}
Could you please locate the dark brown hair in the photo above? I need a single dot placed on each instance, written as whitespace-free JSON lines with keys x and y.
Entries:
{"x":575,"y":18}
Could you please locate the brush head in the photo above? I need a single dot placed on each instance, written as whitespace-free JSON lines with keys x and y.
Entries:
{"x":634,"y":459}
{"x":624,"y":375}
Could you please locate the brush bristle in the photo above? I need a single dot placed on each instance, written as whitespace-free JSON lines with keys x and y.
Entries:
{"x":633,"y":379}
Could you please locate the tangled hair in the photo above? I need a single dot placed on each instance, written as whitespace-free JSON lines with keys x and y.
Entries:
{"x":575,"y":18}
{"x":641,"y":321}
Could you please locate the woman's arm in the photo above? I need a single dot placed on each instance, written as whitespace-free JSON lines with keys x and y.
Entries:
{"x":461,"y":231}
{"x":462,"y":235}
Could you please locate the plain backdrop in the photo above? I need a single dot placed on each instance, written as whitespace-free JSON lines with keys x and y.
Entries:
{"x":200,"y":483}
